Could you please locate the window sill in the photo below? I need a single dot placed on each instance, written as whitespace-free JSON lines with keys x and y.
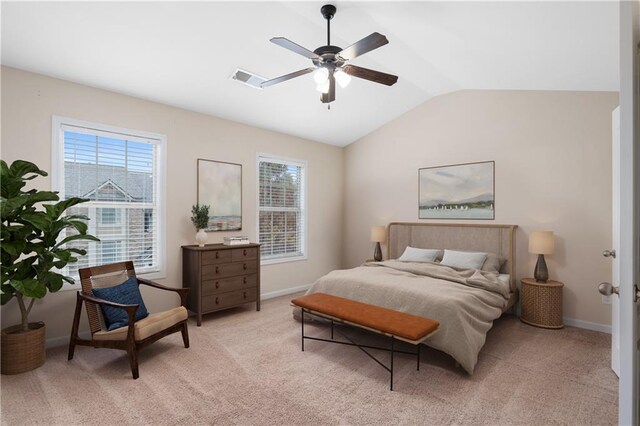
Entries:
{"x":154,"y":275}
{"x":264,"y":262}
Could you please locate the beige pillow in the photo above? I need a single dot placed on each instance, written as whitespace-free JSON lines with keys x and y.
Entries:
{"x":413,"y":254}
{"x":463,"y":259}
{"x":493,"y":263}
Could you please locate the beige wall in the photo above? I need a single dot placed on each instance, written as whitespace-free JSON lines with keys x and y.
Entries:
{"x":552,"y":153}
{"x":29,"y":101}
{"x":553,"y":170}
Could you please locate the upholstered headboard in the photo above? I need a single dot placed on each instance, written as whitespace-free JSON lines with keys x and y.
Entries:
{"x":499,"y":239}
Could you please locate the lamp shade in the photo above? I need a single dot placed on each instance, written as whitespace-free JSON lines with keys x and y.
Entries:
{"x":541,"y":242}
{"x":378,"y":234}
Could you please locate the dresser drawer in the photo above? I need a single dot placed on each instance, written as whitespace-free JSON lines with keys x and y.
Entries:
{"x":244,"y":253}
{"x":216,"y":256}
{"x":210,"y":272}
{"x":228,"y":299}
{"x":228,"y":284}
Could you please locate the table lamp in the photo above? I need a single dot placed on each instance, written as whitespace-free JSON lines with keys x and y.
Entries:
{"x":378,"y":235}
{"x":541,"y":243}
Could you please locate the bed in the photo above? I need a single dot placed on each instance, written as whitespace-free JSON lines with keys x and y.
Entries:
{"x":464,"y":301}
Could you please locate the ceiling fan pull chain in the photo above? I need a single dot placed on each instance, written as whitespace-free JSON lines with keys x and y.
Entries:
{"x":328,"y":32}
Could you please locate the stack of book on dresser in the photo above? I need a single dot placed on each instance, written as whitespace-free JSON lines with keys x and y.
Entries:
{"x":236,"y":241}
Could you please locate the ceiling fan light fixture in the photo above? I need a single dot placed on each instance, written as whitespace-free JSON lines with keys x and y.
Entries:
{"x":323,"y":87}
{"x":330,"y":62}
{"x":321,"y":75}
{"x":342,"y":78}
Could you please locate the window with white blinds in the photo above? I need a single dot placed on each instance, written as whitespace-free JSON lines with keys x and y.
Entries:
{"x":282,"y":212}
{"x":120,"y":172}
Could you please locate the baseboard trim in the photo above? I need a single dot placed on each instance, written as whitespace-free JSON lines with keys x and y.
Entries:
{"x":284,"y":292}
{"x":603,"y":328}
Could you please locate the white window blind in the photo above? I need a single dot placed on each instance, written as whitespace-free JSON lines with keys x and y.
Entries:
{"x":282,"y":215}
{"x":120,"y":174}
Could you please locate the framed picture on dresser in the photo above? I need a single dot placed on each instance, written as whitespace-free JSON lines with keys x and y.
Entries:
{"x":457,"y":191}
{"x":220,"y":187}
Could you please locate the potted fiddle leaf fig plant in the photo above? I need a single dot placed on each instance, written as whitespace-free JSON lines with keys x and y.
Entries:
{"x":200,"y":219}
{"x":33,"y":251}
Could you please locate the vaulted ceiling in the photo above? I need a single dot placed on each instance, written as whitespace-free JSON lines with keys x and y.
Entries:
{"x":183,"y":54}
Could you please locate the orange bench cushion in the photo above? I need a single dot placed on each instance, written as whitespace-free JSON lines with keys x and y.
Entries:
{"x":395,"y":323}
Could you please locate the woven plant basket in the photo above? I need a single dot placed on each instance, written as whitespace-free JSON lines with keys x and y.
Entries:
{"x":23,"y":351}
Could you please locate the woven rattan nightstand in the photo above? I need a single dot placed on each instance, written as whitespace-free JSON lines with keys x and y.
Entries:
{"x":541,"y":303}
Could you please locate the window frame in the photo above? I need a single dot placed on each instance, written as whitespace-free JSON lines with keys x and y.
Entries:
{"x":57,"y":175}
{"x":117,"y":217}
{"x":304,"y":205}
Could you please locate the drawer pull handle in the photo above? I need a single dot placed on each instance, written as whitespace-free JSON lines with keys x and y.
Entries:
{"x":244,"y":252}
{"x":245,"y":294}
{"x":216,"y":300}
{"x":217,"y":270}
{"x":217,"y":285}
{"x":217,"y":255}
{"x":244,"y":266}
{"x":244,"y":280}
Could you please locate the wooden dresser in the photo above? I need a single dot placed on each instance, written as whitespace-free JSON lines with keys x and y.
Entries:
{"x":220,"y":277}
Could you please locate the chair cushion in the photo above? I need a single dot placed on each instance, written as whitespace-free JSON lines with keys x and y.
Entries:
{"x":126,"y":293}
{"x":146,"y":327}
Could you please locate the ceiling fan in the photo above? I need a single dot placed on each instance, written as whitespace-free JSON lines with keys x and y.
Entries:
{"x":330,"y":62}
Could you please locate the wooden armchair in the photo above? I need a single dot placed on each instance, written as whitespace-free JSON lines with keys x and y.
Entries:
{"x":135,"y":335}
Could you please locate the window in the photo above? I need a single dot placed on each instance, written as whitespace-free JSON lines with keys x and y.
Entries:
{"x":282,"y":212}
{"x":148,"y":220}
{"x":110,"y":251}
{"x":109,"y":216}
{"x":121,"y":172}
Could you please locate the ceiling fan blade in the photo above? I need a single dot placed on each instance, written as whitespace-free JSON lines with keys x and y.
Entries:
{"x":286,"y":77}
{"x":296,"y":48}
{"x":331,"y":95}
{"x":367,"y":44}
{"x":371,"y":75}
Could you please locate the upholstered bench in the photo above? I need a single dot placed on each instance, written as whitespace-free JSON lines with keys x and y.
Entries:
{"x":394,"y":324}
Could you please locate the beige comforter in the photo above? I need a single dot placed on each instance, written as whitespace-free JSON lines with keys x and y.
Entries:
{"x":465,"y":302}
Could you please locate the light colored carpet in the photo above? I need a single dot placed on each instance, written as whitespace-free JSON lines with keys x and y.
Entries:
{"x":246,"y":367}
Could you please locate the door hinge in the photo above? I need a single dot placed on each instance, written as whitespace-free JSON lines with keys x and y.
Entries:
{"x":636,"y":293}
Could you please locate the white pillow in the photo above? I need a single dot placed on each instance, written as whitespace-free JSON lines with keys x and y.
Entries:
{"x":412,"y":254}
{"x":505,"y":279}
{"x":463,"y":259}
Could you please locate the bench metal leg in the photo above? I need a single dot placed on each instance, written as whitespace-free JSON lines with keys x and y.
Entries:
{"x":363,"y":348}
{"x":391,"y":369}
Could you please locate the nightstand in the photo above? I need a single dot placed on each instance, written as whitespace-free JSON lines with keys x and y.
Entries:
{"x":541,"y":303}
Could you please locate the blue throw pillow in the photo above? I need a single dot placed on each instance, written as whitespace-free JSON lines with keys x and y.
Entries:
{"x":126,"y":293}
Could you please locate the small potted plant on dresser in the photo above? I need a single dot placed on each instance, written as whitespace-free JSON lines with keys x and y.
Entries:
{"x":33,"y":244}
{"x":200,"y":219}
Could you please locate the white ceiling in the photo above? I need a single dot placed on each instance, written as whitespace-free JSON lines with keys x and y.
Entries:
{"x":183,"y":54}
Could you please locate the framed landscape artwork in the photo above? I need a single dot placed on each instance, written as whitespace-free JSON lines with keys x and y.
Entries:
{"x":220,"y":187}
{"x":459,"y":191}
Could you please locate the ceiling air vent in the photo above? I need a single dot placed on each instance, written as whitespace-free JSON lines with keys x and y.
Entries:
{"x":248,"y":78}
